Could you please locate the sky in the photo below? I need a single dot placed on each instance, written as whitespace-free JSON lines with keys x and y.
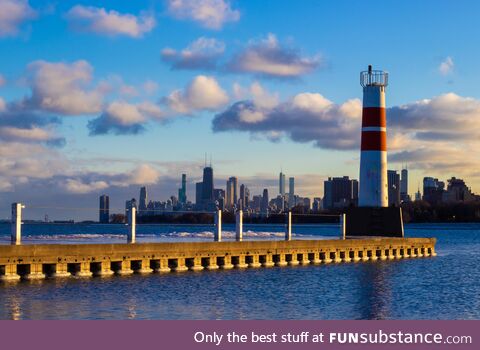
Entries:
{"x":104,"y":97}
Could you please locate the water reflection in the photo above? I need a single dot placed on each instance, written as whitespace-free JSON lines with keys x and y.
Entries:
{"x":375,"y":290}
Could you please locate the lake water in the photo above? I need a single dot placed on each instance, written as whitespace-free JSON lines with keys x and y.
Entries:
{"x":443,"y":287}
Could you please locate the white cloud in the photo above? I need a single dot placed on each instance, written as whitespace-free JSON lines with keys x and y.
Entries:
{"x":211,"y":14}
{"x":64,"y":88}
{"x":110,"y":23}
{"x":446,"y":66}
{"x":12,"y":14}
{"x":257,"y":93}
{"x":3,"y":105}
{"x":203,"y":93}
{"x":307,"y":117}
{"x":203,"y":53}
{"x":143,"y":175}
{"x":35,"y":134}
{"x":79,"y":187}
{"x":121,"y":117}
{"x":150,"y":87}
{"x":268,"y":58}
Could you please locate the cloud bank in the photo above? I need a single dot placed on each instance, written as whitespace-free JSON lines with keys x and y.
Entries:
{"x":212,"y":14}
{"x":13,"y":13}
{"x":110,"y":23}
{"x":269,"y":58}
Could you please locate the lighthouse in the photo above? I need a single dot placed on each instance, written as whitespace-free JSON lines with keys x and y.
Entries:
{"x":373,"y":158}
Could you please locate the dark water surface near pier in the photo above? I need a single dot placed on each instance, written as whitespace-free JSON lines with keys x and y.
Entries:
{"x":444,"y":287}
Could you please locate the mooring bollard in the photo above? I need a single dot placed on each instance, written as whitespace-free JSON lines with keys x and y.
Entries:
{"x":16,"y":237}
{"x":288,"y":227}
{"x":343,"y":223}
{"x":132,"y":221}
{"x":239,"y":226}
{"x":217,"y":236}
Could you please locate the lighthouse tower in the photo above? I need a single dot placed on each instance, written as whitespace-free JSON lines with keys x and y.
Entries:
{"x":373,"y":158}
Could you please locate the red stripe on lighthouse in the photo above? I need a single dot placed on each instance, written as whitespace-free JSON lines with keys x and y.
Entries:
{"x":374,"y":116}
{"x":374,"y":141}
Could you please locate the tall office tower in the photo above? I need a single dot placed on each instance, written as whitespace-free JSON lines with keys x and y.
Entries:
{"x":231,"y":196}
{"x":340,"y":192}
{"x":182,"y":192}
{"x":404,"y":186}
{"x":393,"y":188}
{"x":207,"y":188}
{"x":199,"y":194}
{"x":373,"y":156}
{"x":264,"y":204}
{"x":104,"y":211}
{"x":433,"y":190}
{"x":281,"y":184}
{"x":143,"y":201}
{"x":291,"y":192}
{"x":241,"y":199}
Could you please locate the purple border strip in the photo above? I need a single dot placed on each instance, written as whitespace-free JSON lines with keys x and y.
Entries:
{"x":135,"y":335}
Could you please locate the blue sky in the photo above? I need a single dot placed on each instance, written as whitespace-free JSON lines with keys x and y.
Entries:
{"x":103,"y":97}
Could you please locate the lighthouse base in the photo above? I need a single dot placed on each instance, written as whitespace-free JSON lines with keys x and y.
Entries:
{"x":370,"y":221}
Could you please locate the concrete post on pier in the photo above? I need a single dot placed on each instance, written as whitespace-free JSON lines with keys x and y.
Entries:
{"x":16,"y":237}
{"x":239,"y":226}
{"x":217,"y":236}
{"x":288,"y":226}
{"x":343,"y":223}
{"x":132,"y":222}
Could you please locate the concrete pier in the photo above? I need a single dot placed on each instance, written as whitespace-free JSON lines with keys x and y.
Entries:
{"x":85,"y":260}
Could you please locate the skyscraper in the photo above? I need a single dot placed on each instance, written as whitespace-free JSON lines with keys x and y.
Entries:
{"x":182,"y":192}
{"x":104,"y":210}
{"x":232,"y":198}
{"x":143,"y":201}
{"x":281,"y":184}
{"x":199,"y":194}
{"x":393,"y":180}
{"x":244,"y":194}
{"x":264,"y":204}
{"x":207,"y":187}
{"x":404,"y":186}
{"x":291,"y":192}
{"x":340,"y":192}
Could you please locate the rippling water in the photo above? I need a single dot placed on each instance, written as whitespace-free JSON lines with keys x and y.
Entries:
{"x":444,"y":287}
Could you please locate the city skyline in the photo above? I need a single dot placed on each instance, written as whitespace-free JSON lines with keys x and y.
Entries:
{"x":151,"y":86}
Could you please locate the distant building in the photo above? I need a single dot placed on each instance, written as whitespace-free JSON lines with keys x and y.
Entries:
{"x":182,"y":191}
{"x":281,"y":184}
{"x":307,"y":204}
{"x":457,"y":191}
{"x":104,"y":209}
{"x":340,"y":192}
{"x":418,"y":195}
{"x":291,"y":192}
{"x":218,"y":193}
{"x":244,"y":197}
{"x":393,"y":188}
{"x":317,"y":204}
{"x":231,"y":193}
{"x":264,"y":203}
{"x":256,"y":203}
{"x":143,"y":201}
{"x":199,"y":194}
{"x":433,"y":190}
{"x":207,"y":187}
{"x":404,"y":197}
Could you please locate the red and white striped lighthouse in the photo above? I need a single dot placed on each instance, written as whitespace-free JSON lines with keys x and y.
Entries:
{"x":373,"y":159}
